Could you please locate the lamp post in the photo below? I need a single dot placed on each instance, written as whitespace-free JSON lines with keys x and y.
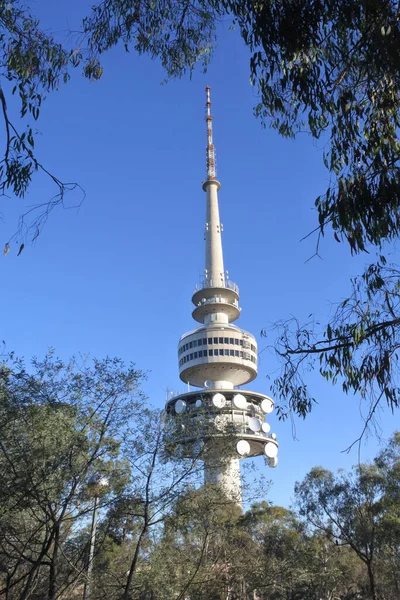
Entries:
{"x":96,"y":485}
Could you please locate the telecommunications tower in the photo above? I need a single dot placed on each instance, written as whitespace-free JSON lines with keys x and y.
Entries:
{"x":219,"y":422}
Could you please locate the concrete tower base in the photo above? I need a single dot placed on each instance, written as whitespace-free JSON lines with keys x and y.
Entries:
{"x":226,"y":474}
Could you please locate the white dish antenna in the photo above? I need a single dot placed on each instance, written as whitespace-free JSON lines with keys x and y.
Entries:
{"x":243,"y":448}
{"x":180,"y":407}
{"x":239,"y":401}
{"x":255,"y":424}
{"x":272,"y":462}
{"x":198,"y":403}
{"x":219,"y":400}
{"x":267,"y":405}
{"x":270,"y":450}
{"x":207,"y":383}
{"x":266,"y":427}
{"x":273,"y":435}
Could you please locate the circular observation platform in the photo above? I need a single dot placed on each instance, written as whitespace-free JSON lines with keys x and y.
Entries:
{"x":217,"y":353}
{"x":216,"y":304}
{"x":230,"y":421}
{"x":230,"y":292}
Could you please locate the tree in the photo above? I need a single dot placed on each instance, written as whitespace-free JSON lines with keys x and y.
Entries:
{"x":355,"y":508}
{"x":33,"y":64}
{"x":60,"y":423}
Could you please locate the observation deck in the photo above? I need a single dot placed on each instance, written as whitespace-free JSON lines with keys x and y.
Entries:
{"x":216,"y":352}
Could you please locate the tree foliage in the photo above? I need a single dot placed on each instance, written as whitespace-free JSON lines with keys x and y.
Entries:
{"x":160,"y":534}
{"x":359,"y":510}
{"x":358,"y":348}
{"x":60,"y":423}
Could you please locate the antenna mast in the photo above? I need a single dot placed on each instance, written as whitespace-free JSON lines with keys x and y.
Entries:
{"x":211,"y":168}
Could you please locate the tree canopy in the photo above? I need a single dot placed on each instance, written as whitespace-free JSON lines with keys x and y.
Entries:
{"x":161,"y":535}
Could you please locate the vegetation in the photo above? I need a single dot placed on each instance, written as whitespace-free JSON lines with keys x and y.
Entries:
{"x":159,"y":535}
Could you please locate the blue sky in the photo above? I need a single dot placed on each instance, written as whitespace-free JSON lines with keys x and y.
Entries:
{"x":116,"y":277}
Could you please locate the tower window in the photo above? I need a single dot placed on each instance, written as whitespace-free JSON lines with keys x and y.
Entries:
{"x":241,"y":342}
{"x":194,"y":343}
{"x":190,"y":344}
{"x":226,"y":340}
{"x":226,"y":352}
{"x":241,"y":354}
{"x":210,"y":340}
{"x":231,"y":341}
{"x":236,"y":342}
{"x":236,"y":352}
{"x":221,"y":352}
{"x":195,"y":355}
{"x":215,"y":340}
{"x":231,"y":352}
{"x":191,"y":356}
{"x":221,"y":340}
{"x":210,"y":353}
{"x":204,"y":341}
{"x":215,"y":352}
{"x":200,"y":353}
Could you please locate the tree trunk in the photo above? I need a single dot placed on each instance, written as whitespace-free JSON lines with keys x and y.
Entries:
{"x":371,"y":578}
{"x":54,"y":564}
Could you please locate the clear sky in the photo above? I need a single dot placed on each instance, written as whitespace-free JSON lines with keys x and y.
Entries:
{"x":116,"y":277}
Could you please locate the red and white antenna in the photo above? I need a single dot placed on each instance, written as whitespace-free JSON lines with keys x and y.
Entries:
{"x":211,"y":168}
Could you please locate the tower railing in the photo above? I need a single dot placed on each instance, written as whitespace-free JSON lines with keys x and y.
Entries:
{"x":208,"y":283}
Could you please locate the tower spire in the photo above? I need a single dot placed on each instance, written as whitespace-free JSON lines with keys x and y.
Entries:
{"x":211,"y":167}
{"x":214,"y":267}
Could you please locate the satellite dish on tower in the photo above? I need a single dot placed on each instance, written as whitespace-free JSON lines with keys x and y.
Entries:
{"x":239,"y":401}
{"x":266,"y":427}
{"x":207,"y":383}
{"x":267,"y":405}
{"x":198,"y":403}
{"x":243,"y":448}
{"x":270,"y":450}
{"x":255,"y":424}
{"x":272,"y":462}
{"x":180,"y":406}
{"x":219,"y":400}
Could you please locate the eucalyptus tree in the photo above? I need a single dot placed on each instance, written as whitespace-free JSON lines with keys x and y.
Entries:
{"x":60,"y":424}
{"x":358,"y":510}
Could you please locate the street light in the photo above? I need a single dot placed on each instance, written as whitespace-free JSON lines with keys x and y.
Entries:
{"x":96,"y":486}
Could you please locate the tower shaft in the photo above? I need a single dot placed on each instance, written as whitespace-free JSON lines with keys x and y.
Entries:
{"x":226,"y":474}
{"x":214,"y":271}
